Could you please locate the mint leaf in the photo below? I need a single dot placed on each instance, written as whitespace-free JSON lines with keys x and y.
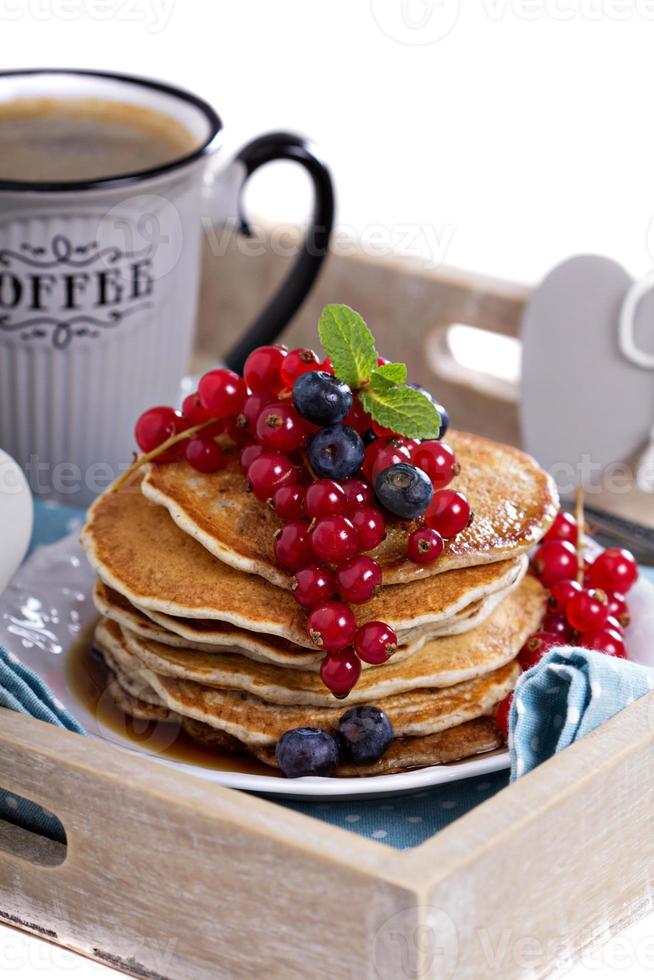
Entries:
{"x":395,"y":373}
{"x":349,"y":343}
{"x":402,"y":409}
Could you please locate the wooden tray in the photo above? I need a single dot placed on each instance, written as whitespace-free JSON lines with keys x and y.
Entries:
{"x":167,"y":876}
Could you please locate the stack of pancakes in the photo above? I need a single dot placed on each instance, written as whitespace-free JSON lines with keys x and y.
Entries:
{"x":200,"y":626}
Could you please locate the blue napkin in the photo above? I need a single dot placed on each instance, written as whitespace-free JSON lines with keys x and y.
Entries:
{"x":22,"y":690}
{"x":564,"y":697}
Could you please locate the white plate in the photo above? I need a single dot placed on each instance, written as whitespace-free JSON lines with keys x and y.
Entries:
{"x":48,"y":607}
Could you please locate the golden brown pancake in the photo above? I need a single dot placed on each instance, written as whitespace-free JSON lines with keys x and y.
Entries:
{"x":461,"y":742}
{"x":141,"y":553}
{"x":514,"y":502}
{"x":258,"y":723}
{"x":440,"y":663}
{"x":214,"y":637}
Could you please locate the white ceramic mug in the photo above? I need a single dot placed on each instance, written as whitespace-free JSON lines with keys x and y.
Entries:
{"x":99,"y":283}
{"x":16,"y":515}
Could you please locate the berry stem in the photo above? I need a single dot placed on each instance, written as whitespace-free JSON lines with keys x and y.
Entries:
{"x":140,"y":461}
{"x":305,"y":460}
{"x":579,"y":514}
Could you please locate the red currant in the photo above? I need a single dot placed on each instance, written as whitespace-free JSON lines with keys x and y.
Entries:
{"x":605,"y":641}
{"x":222,"y":393}
{"x":438,"y":462}
{"x":448,"y":513}
{"x":253,"y":406}
{"x":268,"y":473}
{"x":238,"y":435}
{"x":557,"y":623}
{"x":561,"y":593}
{"x":325,"y":497}
{"x":402,"y":455}
{"x":554,"y":561}
{"x":564,"y":528}
{"x":357,"y":418}
{"x":249,"y":454}
{"x":614,"y":570}
{"x":155,"y":426}
{"x":618,"y":607}
{"x":370,"y":527}
{"x":503,"y":713}
{"x":425,"y":545}
{"x":292,"y":545}
{"x":587,"y":610}
{"x":358,"y":494}
{"x":358,"y":579}
{"x":205,"y":455}
{"x":394,"y":451}
{"x":312,"y":586}
{"x":288,"y":502}
{"x":381,"y":431}
{"x":332,"y":625}
{"x":334,"y":539}
{"x":327,"y":366}
{"x":375,"y":642}
{"x":340,"y":671}
{"x":614,"y":624}
{"x":536,"y":647}
{"x":299,"y":361}
{"x":193,"y":411}
{"x":262,"y":371}
{"x":280,"y":428}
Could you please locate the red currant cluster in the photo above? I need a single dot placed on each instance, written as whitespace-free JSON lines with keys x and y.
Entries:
{"x":586,"y":606}
{"x":332,"y":474}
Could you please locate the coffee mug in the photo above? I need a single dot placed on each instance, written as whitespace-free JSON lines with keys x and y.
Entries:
{"x":99,"y":270}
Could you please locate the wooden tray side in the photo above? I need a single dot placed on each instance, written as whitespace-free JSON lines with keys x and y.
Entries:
{"x":562,"y":859}
{"x":167,"y":875}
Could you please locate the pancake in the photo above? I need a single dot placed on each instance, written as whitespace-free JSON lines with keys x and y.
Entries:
{"x":440,"y":663}
{"x":140,"y":552}
{"x":461,"y":742}
{"x":258,"y":723}
{"x":514,"y":502}
{"x":214,"y":637}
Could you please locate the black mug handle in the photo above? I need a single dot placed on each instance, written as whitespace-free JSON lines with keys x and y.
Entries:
{"x":293,"y":291}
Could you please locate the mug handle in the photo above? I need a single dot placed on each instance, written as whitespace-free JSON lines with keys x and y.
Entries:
{"x":293,"y":291}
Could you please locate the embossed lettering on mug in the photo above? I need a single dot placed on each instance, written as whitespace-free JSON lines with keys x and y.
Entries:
{"x":66,"y":290}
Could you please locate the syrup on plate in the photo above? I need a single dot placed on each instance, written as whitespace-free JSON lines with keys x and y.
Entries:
{"x":86,"y":674}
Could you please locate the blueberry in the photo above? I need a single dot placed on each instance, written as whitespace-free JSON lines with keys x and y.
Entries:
{"x":365,"y":733}
{"x":307,"y":752}
{"x":445,"y":421}
{"x":336,"y":452}
{"x":404,"y":490}
{"x":321,"y":398}
{"x":368,"y":436}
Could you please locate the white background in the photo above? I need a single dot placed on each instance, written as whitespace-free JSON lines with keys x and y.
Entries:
{"x":499,"y":137}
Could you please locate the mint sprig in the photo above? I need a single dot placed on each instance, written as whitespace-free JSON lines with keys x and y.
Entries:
{"x":393,"y":373}
{"x":382,"y":390}
{"x":402,"y":409}
{"x":349,"y":343}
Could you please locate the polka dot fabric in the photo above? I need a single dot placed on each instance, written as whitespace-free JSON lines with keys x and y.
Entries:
{"x":566,"y":696}
{"x":406,"y":821}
